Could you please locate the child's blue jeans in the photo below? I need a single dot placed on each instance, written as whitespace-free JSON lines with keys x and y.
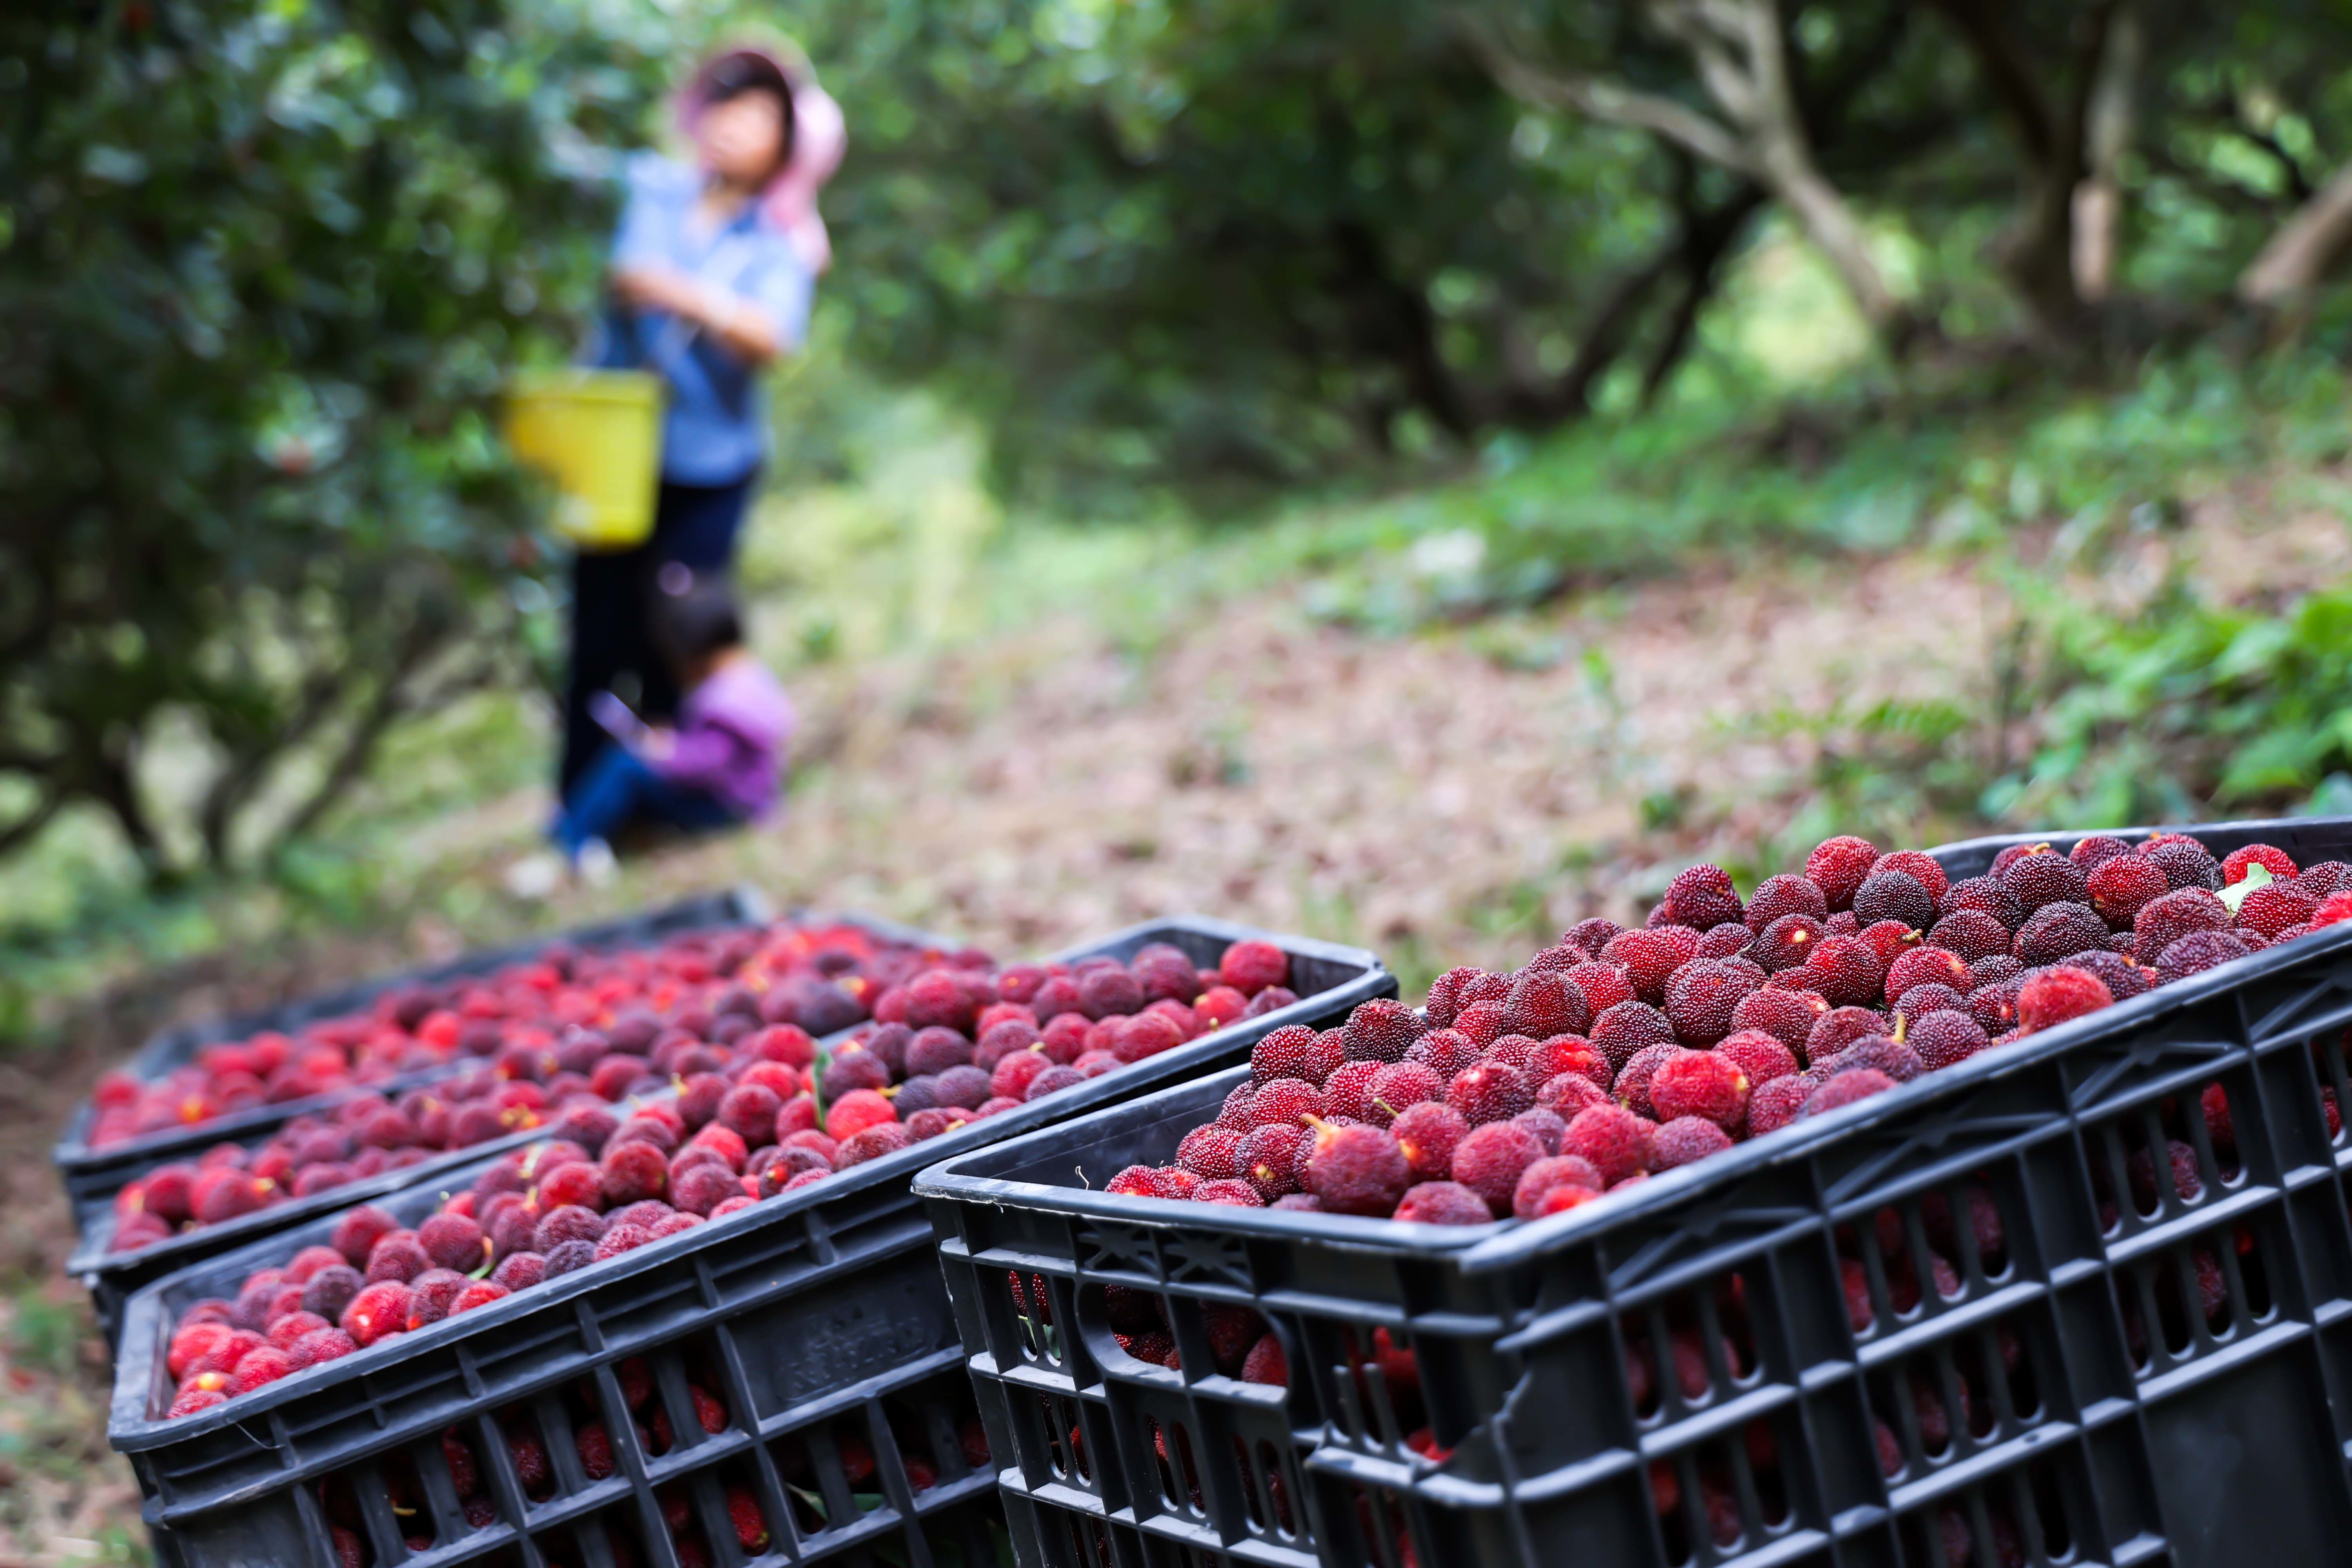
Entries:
{"x":618,"y":788}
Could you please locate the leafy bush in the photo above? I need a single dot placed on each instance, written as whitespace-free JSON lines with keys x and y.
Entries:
{"x":262,"y":269}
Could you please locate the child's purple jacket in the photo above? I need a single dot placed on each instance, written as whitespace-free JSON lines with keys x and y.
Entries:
{"x":732,"y":732}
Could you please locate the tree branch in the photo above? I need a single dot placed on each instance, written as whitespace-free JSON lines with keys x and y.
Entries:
{"x":22,"y":831}
{"x":388,"y":707}
{"x":1605,"y":101}
{"x":2300,"y":252}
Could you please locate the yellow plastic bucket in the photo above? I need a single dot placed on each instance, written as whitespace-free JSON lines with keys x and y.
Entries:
{"x":597,"y":435}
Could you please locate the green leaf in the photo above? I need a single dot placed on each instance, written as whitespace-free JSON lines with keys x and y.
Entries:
{"x":2257,"y":876}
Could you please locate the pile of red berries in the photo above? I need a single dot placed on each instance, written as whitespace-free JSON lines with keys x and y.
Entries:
{"x":1615,"y":1055}
{"x":366,"y":1137}
{"x":955,"y":1045}
{"x":820,"y":978}
{"x":565,"y":1085}
{"x":745,"y":1125}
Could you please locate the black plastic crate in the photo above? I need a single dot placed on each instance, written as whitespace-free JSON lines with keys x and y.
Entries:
{"x":111,"y":1278}
{"x":93,"y":1176}
{"x":1787,"y":1354}
{"x":806,"y":1297}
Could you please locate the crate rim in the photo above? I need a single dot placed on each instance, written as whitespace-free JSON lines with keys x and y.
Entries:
{"x":1505,"y":1243}
{"x":129,"y":1429}
{"x":740,"y":904}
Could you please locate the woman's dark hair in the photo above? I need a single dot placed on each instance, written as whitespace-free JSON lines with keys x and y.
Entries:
{"x":691,"y":627}
{"x":731,"y":76}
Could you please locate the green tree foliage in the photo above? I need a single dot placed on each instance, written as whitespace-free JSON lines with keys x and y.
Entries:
{"x":1225,"y":238}
{"x":262,"y":266}
{"x":1253,"y":241}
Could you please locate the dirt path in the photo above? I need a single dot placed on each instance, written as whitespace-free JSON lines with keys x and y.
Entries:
{"x":1410,"y":794}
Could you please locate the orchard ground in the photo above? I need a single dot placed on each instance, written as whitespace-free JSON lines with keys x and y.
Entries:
{"x":1354,"y":721}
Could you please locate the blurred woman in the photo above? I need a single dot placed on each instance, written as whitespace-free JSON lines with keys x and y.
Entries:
{"x":712,"y":279}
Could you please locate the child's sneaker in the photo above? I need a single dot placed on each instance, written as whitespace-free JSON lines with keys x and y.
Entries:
{"x":534,"y":877}
{"x":595,"y":865}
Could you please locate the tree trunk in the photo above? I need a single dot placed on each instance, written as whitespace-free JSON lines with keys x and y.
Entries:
{"x":1738,"y":56}
{"x":2039,"y":252}
{"x":1707,"y":237}
{"x":2099,"y":199}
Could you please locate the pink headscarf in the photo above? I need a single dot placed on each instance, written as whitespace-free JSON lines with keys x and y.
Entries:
{"x":820,"y":136}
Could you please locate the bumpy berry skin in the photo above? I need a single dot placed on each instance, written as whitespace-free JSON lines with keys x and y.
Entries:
{"x":1985,"y":894}
{"x":1847,"y":1088}
{"x":1349,"y":1092}
{"x":1920,"y":867}
{"x":1702,"y":897}
{"x":1897,"y":896}
{"x":1401,"y":1084}
{"x":1615,"y":1141}
{"x":1627,"y":1029}
{"x":2174,"y":916}
{"x":1925,"y":966}
{"x":1212,"y":1153}
{"x":1603,"y":985}
{"x":1380,"y":1031}
{"x":1762,"y":1057}
{"x":1285,"y":1102}
{"x":1776,"y":1104}
{"x":2271,"y":859}
{"x":1840,"y":1028}
{"x":1483,"y":1023}
{"x":1686,"y":1141}
{"x":2056,"y":996}
{"x":1921,"y":1000}
{"x":1788,"y":1016}
{"x":1632,"y":1085}
{"x":2059,"y":930}
{"x":1567,"y":1093}
{"x":1726,"y":941}
{"x":1650,"y":958}
{"x":1565,"y":1053}
{"x":1249,"y":967}
{"x":2185,"y":862}
{"x":1444,"y":1052}
{"x":2124,"y":978}
{"x":1356,"y":1170}
{"x":1700,"y":998}
{"x":2120,"y":888}
{"x":1788,"y":941}
{"x":1489,"y":1091}
{"x":2199,"y":952}
{"x":1971,"y":933}
{"x":1545,"y":1002}
{"x":1271,"y":1156}
{"x":1445,"y":996}
{"x":2095,"y":850}
{"x":1945,"y":1037}
{"x":2045,"y":878}
{"x":1490,"y":1161}
{"x":1591,"y":935}
{"x":1428,"y":1133}
{"x":1893,"y":1058}
{"x":1850,"y":972}
{"x":1553,"y":1170}
{"x":1704,"y":1084}
{"x":1838,"y":866}
{"x":1785,"y":895}
{"x":2274,"y":908}
{"x":1443,"y":1203}
{"x":1232,"y":1195}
